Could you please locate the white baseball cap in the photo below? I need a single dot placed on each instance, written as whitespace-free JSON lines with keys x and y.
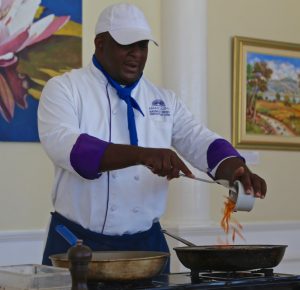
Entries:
{"x":126,"y":23}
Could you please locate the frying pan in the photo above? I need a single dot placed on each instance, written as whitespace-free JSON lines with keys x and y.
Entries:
{"x":228,"y":257}
{"x":119,"y":266}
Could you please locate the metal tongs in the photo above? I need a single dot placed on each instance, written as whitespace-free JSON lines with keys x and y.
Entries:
{"x":223,"y":182}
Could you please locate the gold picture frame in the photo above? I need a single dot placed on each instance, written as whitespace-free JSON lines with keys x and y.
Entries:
{"x":266,"y":94}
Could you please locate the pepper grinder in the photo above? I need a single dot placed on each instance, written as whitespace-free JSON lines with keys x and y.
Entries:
{"x":79,"y":257}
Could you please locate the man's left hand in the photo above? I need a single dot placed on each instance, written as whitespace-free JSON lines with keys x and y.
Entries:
{"x":234,"y":168}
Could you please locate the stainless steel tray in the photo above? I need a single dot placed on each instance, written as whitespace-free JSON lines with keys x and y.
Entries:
{"x":32,"y":276}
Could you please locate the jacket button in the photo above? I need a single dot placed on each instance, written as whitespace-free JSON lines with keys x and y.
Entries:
{"x":113,"y":208}
{"x":137,"y":178}
{"x":135,"y":209}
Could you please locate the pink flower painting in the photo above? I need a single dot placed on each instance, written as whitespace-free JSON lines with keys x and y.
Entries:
{"x":18,"y":31}
{"x":39,"y":39}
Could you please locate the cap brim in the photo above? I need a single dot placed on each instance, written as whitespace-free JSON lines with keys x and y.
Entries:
{"x":125,"y":36}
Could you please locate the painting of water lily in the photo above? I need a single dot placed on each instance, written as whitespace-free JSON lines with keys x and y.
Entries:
{"x":266,"y":98}
{"x":39,"y":39}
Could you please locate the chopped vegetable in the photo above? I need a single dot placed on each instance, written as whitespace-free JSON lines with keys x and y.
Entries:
{"x":228,"y":223}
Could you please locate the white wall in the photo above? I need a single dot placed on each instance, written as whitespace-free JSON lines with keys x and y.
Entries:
{"x":265,"y":19}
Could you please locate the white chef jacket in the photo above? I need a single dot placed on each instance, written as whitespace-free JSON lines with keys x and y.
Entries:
{"x":122,"y":201}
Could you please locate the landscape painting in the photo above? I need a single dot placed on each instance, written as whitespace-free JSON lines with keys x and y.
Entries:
{"x":39,"y":39}
{"x":266,"y":94}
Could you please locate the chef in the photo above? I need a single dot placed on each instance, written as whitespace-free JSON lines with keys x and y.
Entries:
{"x":109,"y":132}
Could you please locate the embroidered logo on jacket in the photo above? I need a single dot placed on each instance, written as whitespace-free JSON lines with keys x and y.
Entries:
{"x":159,"y":108}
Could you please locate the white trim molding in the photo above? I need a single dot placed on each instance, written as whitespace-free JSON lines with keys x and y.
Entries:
{"x":26,"y":247}
{"x":21,"y":247}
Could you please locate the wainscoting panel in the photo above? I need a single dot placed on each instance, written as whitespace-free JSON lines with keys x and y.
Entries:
{"x":21,"y":247}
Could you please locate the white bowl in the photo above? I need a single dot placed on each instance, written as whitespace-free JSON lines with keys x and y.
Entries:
{"x":243,"y":201}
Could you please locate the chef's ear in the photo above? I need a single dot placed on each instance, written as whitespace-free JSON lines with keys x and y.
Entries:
{"x":98,"y":41}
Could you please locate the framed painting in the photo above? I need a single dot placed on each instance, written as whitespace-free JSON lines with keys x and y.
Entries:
{"x":266,"y":94}
{"x":39,"y":39}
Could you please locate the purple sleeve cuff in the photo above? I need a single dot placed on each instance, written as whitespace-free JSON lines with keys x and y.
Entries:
{"x":86,"y":156}
{"x":219,"y":150}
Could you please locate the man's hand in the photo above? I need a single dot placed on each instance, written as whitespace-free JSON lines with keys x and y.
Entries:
{"x":234,"y":168}
{"x":163,"y":162}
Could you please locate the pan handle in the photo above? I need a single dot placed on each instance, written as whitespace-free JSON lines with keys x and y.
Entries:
{"x":188,"y":243}
{"x":66,"y":234}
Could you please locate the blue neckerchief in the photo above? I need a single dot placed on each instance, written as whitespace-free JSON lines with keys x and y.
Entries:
{"x":125,"y":94}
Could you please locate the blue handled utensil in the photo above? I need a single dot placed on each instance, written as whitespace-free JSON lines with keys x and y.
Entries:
{"x":66,"y":234}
